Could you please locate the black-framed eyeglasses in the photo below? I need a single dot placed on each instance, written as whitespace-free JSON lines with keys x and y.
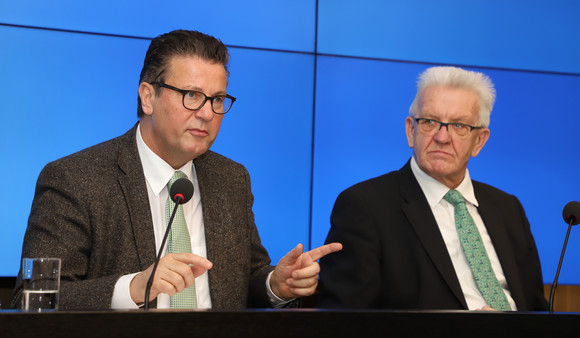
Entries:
{"x":194,"y":100}
{"x":431,"y":126}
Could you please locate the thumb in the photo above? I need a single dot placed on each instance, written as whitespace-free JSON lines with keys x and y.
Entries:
{"x":292,"y":256}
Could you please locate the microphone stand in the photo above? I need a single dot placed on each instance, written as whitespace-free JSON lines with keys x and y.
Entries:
{"x":555,"y":283}
{"x":177,"y":202}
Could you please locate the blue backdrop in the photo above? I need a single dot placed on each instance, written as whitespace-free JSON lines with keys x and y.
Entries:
{"x":323,"y":89}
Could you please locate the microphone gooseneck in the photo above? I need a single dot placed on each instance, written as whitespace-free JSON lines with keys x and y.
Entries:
{"x":571,"y":215}
{"x":181,"y":192}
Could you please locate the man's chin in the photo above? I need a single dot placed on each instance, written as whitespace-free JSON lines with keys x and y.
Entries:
{"x":439,"y":169}
{"x":439,"y":164}
{"x":195,"y":152}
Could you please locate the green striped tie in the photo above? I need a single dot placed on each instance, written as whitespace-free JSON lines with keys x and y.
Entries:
{"x":476,"y":254}
{"x":179,"y":241}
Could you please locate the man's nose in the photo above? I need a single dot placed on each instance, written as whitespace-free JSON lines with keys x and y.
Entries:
{"x":205,"y":112}
{"x":442,"y":134}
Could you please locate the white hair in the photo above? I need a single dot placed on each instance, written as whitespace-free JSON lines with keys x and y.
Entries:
{"x":458,"y":78}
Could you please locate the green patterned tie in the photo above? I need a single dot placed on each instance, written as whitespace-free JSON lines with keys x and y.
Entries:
{"x":179,"y":241}
{"x":476,"y":254}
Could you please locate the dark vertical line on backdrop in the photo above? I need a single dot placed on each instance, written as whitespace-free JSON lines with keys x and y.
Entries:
{"x":314,"y":74}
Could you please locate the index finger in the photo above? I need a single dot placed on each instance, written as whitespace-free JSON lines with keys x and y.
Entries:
{"x":192,"y":259}
{"x":324,"y":250}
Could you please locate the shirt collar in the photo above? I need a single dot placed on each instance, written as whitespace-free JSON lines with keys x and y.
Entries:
{"x":435,"y":190}
{"x":157,"y":171}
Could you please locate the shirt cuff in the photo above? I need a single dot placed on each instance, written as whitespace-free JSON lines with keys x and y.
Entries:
{"x":121,"y":299}
{"x":276,"y":301}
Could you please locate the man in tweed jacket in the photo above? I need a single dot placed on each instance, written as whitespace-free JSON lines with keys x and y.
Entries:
{"x":97,"y":211}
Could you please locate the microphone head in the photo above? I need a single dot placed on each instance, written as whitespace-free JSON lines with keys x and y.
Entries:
{"x":571,"y":213}
{"x":182,"y":188}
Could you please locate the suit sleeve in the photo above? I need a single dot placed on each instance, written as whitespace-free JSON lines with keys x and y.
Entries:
{"x":59,"y":226}
{"x":351,"y":277}
{"x":529,"y":262}
{"x":260,"y":260}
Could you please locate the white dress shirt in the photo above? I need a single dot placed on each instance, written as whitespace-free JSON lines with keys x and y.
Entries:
{"x":157,"y":174}
{"x":445,"y":217}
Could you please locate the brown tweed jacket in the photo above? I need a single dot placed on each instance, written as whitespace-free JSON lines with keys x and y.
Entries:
{"x":92,"y":210}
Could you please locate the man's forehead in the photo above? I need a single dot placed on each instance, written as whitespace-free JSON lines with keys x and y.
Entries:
{"x":469,"y":99}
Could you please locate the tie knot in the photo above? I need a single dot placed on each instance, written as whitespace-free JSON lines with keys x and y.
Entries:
{"x":454,"y":197}
{"x":176,"y":175}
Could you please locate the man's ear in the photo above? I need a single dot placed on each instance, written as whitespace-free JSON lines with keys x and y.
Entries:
{"x":410,"y":131}
{"x":147,"y":95}
{"x":482,"y":138}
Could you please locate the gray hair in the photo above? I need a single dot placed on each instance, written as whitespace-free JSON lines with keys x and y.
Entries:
{"x":458,"y":78}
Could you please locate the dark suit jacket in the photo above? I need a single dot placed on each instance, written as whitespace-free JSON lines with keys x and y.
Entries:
{"x":394,"y":256}
{"x":92,"y":210}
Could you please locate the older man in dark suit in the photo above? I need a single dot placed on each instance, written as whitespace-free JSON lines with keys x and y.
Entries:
{"x":427,"y":236}
{"x":103,"y":210}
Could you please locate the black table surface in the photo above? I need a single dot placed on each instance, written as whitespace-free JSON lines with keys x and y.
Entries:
{"x":287,"y":323}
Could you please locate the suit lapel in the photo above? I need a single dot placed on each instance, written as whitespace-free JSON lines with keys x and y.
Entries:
{"x":132,"y":181}
{"x":207,"y":184}
{"x":419,"y":214}
{"x":496,"y":225}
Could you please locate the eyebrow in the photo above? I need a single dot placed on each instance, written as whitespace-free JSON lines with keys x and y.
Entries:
{"x":197,"y":89}
{"x":461,"y":119}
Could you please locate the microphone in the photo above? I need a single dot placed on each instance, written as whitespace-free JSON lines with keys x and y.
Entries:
{"x":181,"y":192}
{"x":571,"y":215}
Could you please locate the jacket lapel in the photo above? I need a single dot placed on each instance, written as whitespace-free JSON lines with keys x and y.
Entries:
{"x":496,"y":225}
{"x":207,"y":184}
{"x":419,"y":214}
{"x":132,"y":181}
